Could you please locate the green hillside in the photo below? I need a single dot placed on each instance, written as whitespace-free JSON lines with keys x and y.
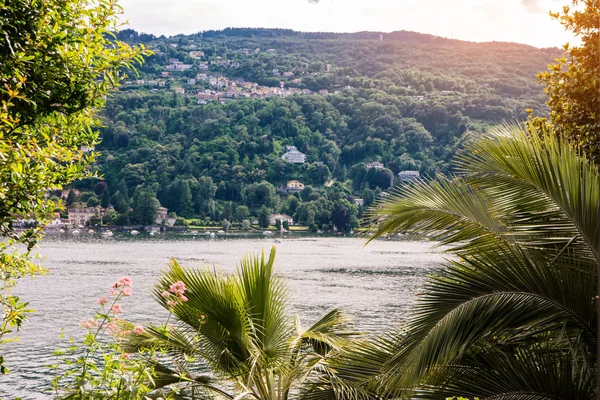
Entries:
{"x":204,"y":124}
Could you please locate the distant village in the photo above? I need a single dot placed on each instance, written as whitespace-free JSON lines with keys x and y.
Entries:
{"x":209,"y":85}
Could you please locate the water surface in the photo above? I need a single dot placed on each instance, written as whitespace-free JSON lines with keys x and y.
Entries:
{"x":375,"y":284}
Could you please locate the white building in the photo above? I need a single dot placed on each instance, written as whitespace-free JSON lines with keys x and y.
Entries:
{"x":376,"y":165}
{"x":294,"y":156}
{"x":406,"y":176}
{"x":282,"y":217}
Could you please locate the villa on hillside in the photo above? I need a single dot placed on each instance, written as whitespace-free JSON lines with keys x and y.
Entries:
{"x":293,"y":156}
{"x":375,"y":164}
{"x":282,"y":217}
{"x":294,"y":186}
{"x":406,"y":176}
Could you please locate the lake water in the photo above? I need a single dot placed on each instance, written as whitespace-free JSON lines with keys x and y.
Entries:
{"x":375,"y":284}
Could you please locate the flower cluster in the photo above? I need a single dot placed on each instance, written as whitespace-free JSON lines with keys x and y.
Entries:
{"x":123,"y":286}
{"x":88,"y":324}
{"x":138,"y":330}
{"x":176,"y":292}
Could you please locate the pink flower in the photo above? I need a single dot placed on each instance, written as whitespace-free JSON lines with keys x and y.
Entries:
{"x":126,"y":291}
{"x":89,"y":324}
{"x":178,"y":288}
{"x":110,"y":327}
{"x":171,"y":303}
{"x":123,"y":333}
{"x":116,"y":309}
{"x":138,"y":330}
{"x":165,"y":294}
{"x":127,"y":356}
{"x":183,"y":298}
{"x":102,"y":301}
{"x":126,"y":282}
{"x":112,"y":292}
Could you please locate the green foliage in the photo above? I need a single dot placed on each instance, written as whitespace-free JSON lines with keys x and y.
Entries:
{"x":71,"y":198}
{"x":242,"y":213}
{"x":105,"y":200}
{"x":514,"y":310}
{"x":229,"y":152}
{"x":146,"y":206}
{"x":573,"y":83}
{"x":237,"y":327}
{"x":59,"y":62}
{"x":263,"y":217}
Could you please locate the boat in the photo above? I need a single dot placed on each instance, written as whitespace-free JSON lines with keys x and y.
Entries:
{"x":107,"y":233}
{"x":134,"y":232}
{"x":61,"y":230}
{"x":277,"y":241}
{"x":221,"y":232}
{"x":91,"y":231}
{"x":267,"y":233}
{"x":75,"y":231}
{"x":151,"y":233}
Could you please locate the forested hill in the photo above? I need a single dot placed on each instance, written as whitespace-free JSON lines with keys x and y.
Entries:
{"x":208,"y":116}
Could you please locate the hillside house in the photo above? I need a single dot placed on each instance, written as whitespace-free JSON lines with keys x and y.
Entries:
{"x":281,"y":217}
{"x":406,"y":176}
{"x":196,"y":55}
{"x":294,"y":156}
{"x":179,"y":90}
{"x":294,"y":186}
{"x":376,"y":165}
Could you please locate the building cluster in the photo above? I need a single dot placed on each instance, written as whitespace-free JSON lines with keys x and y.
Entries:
{"x":220,"y":88}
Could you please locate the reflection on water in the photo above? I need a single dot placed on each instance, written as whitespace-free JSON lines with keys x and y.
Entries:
{"x":375,"y":284}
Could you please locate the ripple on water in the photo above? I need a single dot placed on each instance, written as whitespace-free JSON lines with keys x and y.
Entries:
{"x":375,"y":284}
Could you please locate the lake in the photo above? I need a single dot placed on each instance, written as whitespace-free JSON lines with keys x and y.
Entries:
{"x":376,"y":284}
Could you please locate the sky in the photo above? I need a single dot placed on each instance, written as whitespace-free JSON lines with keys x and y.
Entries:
{"x":520,"y":21}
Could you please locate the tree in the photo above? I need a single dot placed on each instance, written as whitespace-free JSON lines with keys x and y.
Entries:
{"x":105,"y":201}
{"x":573,"y":83}
{"x":225,"y":225}
{"x":71,"y":198}
{"x":245,"y":224}
{"x":92,"y":201}
{"x":241,"y":213}
{"x":278,"y":224}
{"x":263,"y":217}
{"x":49,"y":94}
{"x":123,"y":190}
{"x":522,"y":221}
{"x":238,"y":326}
{"x":340,"y":216}
{"x":145,"y":206}
{"x":180,"y":198}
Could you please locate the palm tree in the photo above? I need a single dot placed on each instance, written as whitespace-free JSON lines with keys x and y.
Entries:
{"x":231,"y":336}
{"x":511,"y":315}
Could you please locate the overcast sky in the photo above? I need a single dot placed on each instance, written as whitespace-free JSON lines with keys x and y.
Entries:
{"x":521,"y":21}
